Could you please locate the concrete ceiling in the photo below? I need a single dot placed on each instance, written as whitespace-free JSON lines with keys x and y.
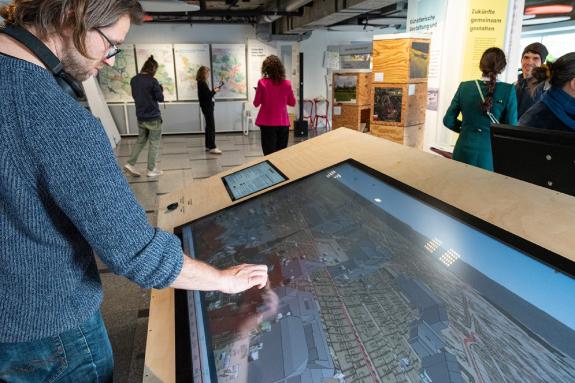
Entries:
{"x":287,"y":16}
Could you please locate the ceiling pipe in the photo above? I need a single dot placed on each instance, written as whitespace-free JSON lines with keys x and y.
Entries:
{"x":227,"y":13}
{"x":287,"y":6}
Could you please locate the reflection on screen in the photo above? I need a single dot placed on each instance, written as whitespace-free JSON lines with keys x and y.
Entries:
{"x":369,"y":284}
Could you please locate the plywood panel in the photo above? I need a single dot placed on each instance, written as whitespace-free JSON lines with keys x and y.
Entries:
{"x":364,"y":89}
{"x":398,"y":104}
{"x":413,"y":136}
{"x":400,"y":60}
{"x":391,"y":133}
{"x":351,"y":117}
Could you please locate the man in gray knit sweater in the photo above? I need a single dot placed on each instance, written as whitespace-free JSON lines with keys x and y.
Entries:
{"x":63,"y":197}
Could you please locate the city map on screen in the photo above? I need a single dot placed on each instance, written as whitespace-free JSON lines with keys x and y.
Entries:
{"x":369,"y":283}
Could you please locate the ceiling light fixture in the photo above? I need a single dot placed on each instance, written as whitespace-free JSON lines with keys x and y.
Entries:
{"x":546,"y":20}
{"x":556,"y":9}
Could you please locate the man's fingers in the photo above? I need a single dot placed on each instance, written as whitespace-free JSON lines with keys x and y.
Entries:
{"x":247,"y":268}
{"x":258,"y":280}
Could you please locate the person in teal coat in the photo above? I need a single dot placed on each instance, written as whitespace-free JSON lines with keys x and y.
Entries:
{"x":481,"y":103}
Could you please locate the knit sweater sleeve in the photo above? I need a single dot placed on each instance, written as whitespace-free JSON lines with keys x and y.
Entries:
{"x":76,"y":169}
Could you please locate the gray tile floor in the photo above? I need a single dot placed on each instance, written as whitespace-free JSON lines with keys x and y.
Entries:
{"x":183,"y":160}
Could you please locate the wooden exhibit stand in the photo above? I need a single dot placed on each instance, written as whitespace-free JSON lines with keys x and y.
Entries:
{"x":399,"y":88}
{"x":351,"y":99}
{"x":539,"y":215}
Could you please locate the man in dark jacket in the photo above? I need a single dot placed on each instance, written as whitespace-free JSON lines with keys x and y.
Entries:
{"x":534,"y":55}
{"x":147,"y":92}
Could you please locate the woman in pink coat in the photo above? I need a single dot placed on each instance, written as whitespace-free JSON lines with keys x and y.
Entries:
{"x":273,"y":95}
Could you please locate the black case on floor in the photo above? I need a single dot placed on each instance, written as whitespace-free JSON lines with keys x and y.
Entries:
{"x":300,"y":128}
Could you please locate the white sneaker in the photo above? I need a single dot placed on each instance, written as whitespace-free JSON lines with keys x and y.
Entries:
{"x":132,"y":170}
{"x":215,"y":151}
{"x":154,"y":173}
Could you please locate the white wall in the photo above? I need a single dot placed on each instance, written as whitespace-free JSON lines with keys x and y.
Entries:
{"x":313,"y":53}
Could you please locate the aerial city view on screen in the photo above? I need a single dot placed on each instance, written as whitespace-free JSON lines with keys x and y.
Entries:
{"x":363,"y":290}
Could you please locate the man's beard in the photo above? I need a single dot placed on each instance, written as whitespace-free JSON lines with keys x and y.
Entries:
{"x":76,"y":65}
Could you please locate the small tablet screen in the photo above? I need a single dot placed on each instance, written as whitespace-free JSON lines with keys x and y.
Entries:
{"x":252,"y":179}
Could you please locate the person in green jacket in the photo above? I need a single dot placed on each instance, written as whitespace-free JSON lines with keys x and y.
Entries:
{"x":481,"y":103}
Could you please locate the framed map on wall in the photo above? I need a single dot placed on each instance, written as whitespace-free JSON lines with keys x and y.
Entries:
{"x":115,"y":80}
{"x":229,"y":66}
{"x":189,"y":58}
{"x":164,"y":55}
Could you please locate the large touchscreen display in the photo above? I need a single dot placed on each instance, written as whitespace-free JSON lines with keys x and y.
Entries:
{"x":371,"y":282}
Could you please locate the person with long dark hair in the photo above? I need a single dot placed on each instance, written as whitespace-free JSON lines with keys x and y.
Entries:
{"x":481,"y":102}
{"x":206,"y":97}
{"x":273,"y":94}
{"x":556,"y":110}
{"x":147,"y":92}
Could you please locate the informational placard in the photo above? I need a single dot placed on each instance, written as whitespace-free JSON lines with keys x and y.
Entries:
{"x":487,"y":20}
{"x":355,"y":56}
{"x":164,"y":55}
{"x":257,"y":53}
{"x":252,"y":180}
{"x":229,"y":69}
{"x":429,"y":17}
{"x":189,"y":58}
{"x":331,"y":59}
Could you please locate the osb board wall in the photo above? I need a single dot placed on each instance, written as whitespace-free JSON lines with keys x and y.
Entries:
{"x":351,"y":117}
{"x":391,"y":133}
{"x":411,"y":136}
{"x":363,"y":88}
{"x":411,"y":107}
{"x":393,"y":58}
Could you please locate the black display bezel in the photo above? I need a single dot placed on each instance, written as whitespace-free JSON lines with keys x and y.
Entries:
{"x":530,"y":249}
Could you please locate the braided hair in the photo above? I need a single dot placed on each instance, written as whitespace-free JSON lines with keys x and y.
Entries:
{"x":492,"y":63}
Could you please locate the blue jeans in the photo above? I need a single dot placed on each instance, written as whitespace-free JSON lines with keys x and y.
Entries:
{"x":83,"y":354}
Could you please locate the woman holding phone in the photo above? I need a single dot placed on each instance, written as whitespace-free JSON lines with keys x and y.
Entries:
{"x":206,"y":97}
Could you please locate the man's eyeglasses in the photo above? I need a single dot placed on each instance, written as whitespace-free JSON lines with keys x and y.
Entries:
{"x":114,"y":50}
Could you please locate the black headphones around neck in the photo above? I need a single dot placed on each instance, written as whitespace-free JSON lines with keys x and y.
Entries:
{"x":52,"y":63}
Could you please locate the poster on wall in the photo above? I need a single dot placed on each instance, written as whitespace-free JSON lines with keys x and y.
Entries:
{"x":345,"y":89}
{"x":355,"y":56}
{"x":115,"y":80}
{"x":229,"y":69}
{"x":418,"y":56}
{"x":164,"y":55}
{"x":257,"y":53}
{"x":387,"y":104}
{"x":486,"y":24}
{"x":428,"y":16}
{"x":189,"y":58}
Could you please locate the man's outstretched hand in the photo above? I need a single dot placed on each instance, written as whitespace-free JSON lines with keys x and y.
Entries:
{"x":243,"y":277}
{"x":197,"y":275}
